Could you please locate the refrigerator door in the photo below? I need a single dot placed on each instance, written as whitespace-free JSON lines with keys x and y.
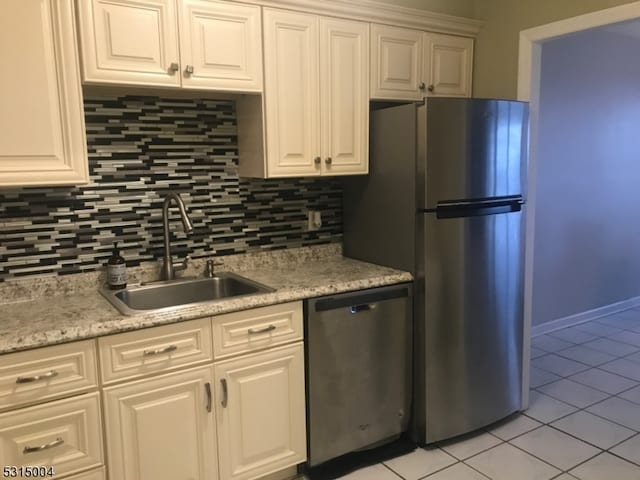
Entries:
{"x":475,"y":149}
{"x":472,"y":298}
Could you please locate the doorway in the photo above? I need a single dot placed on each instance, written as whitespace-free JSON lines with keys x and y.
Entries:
{"x":530,"y":84}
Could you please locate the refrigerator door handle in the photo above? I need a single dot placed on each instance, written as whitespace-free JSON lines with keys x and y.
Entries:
{"x":476,"y":208}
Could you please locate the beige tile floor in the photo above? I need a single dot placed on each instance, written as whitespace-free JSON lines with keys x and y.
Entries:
{"x":583,"y":421}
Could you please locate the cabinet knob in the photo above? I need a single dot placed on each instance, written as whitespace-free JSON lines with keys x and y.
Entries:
{"x":421,"y":86}
{"x":189,"y":70}
{"x":174,"y":67}
{"x":431,"y":88}
{"x":316,"y":160}
{"x":327,"y":160}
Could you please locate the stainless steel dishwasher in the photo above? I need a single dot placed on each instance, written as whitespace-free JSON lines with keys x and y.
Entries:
{"x":358,"y":361}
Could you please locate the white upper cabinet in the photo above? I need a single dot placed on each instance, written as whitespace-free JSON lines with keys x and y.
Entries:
{"x":42,"y":135}
{"x":344,"y":92}
{"x":292,"y":96}
{"x":410,"y":64}
{"x":190,"y":43}
{"x":449,"y":60}
{"x":316,"y":101}
{"x":220,"y":45}
{"x":129,"y":42}
{"x":396,"y":59}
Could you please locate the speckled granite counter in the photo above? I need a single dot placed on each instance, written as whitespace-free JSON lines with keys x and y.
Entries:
{"x":85,"y":314}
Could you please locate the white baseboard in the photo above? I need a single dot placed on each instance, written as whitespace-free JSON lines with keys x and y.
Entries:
{"x":583,"y":317}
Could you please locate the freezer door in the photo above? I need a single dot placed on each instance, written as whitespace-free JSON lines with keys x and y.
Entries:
{"x":473,"y":312}
{"x":473,"y":149}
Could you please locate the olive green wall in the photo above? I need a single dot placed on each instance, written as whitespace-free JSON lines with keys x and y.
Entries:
{"x":495,"y":71}
{"x":460,"y":8}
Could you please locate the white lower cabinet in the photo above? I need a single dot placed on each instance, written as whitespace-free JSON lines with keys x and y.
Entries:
{"x":214,"y":398}
{"x":162,"y":428}
{"x":261,"y":412}
{"x":64,"y":435}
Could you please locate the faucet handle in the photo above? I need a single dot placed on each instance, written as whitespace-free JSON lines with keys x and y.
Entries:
{"x":182,"y":265}
{"x":209,"y":271}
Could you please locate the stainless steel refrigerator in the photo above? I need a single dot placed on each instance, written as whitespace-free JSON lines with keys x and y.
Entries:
{"x":445,"y":199}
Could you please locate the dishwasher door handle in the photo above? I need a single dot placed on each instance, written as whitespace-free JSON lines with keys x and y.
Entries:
{"x":361,"y":308}
{"x":357,"y":302}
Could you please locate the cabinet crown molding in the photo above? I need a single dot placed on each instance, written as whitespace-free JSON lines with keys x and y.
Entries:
{"x":378,"y":12}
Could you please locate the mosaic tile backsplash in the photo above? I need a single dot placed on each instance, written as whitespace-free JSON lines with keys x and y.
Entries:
{"x":141,"y":148}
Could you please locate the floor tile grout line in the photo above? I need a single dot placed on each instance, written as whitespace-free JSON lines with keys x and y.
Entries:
{"x":601,"y":450}
{"x":625,"y":459}
{"x":476,"y":470}
{"x":583,"y":409}
{"x":637,"y":434}
{"x":542,"y":424}
{"x":392,"y":470}
{"x":608,"y":396}
{"x":581,"y":371}
{"x":546,"y":461}
{"x":550,"y":425}
{"x":479,"y":452}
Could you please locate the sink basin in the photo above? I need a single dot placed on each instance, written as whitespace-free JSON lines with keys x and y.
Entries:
{"x":177,"y":293}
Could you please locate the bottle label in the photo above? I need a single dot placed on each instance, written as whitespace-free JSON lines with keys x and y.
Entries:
{"x":117,"y":274}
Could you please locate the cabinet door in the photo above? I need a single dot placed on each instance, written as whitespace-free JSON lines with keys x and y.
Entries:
{"x":344,"y":91}
{"x":261,"y":412}
{"x":448,"y":65}
{"x":396,"y":63}
{"x":220,"y":46}
{"x":161,"y":428}
{"x":291,"y":93}
{"x":42,"y":139}
{"x":129,"y":42}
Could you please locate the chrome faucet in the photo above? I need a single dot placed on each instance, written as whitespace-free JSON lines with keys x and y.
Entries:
{"x":168,"y":267}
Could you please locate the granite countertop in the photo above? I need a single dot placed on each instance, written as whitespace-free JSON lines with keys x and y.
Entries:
{"x":53,"y":319}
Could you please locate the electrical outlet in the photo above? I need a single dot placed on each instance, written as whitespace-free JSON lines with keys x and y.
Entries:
{"x":314,"y":220}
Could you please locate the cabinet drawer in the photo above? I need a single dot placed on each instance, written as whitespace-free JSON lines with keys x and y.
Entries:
{"x":46,"y":373}
{"x":134,"y":354}
{"x":65,"y":434}
{"x":250,"y":330}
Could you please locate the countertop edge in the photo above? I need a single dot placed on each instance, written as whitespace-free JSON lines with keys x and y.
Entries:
{"x":146,"y":320}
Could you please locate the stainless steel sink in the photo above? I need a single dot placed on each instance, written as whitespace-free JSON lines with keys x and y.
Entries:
{"x":177,"y":293}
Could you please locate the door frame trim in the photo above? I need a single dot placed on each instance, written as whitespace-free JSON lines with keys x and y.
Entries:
{"x":529,"y":71}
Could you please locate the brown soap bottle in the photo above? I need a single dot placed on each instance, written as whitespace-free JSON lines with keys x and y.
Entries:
{"x":116,"y":270}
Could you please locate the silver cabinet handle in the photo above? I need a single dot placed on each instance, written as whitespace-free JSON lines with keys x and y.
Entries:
{"x":160,"y":351}
{"x":327,"y":160}
{"x":225,"y":393}
{"x":316,"y":160}
{"x":253,"y":331}
{"x":207,"y":389}
{"x":174,"y":67}
{"x":189,"y":70}
{"x":37,"y":378}
{"x":431,"y":88}
{"x":57,"y":442}
{"x":421,"y":85}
